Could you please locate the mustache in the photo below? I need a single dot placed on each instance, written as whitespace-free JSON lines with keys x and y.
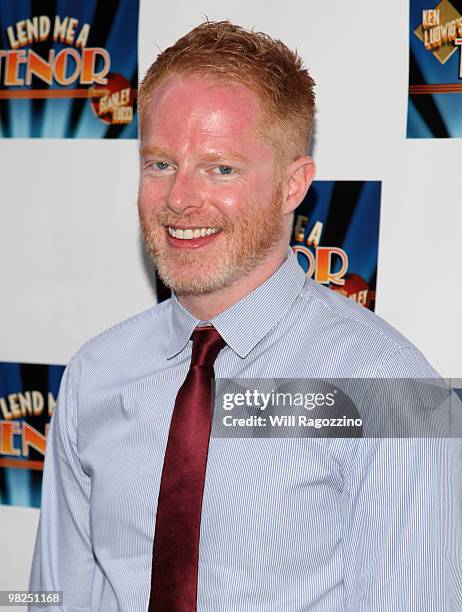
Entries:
{"x":167,"y":217}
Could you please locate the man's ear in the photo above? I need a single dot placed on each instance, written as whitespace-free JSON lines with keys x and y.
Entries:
{"x":300,"y":175}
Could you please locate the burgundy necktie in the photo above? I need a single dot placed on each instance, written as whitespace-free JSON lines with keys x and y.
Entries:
{"x":176,"y":539}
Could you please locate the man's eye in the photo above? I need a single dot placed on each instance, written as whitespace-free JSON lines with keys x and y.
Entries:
{"x":161,"y":165}
{"x":224,"y":170}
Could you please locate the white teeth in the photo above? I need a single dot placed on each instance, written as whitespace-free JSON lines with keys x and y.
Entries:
{"x":188,"y":234}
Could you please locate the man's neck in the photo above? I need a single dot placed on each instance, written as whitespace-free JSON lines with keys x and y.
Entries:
{"x":208,"y":305}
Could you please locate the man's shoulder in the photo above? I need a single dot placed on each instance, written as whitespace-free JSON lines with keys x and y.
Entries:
{"x":129,"y":335}
{"x":333,"y":305}
{"x":354,"y":331}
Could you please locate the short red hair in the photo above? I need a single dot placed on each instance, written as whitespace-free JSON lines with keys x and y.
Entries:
{"x":229,"y":52}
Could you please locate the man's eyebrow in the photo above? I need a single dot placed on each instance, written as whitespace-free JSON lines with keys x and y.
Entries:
{"x":224,"y":156}
{"x":153,"y":150}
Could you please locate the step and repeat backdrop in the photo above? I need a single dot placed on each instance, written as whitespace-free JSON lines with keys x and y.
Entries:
{"x":381,"y":224}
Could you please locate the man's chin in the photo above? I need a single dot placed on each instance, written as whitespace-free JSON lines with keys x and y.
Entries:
{"x":194,"y":282}
{"x":188,"y":286}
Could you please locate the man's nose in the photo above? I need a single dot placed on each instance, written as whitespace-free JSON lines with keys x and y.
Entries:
{"x":184,"y":194}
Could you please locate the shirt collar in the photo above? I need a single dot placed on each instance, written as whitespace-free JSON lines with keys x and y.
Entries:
{"x":245,"y":323}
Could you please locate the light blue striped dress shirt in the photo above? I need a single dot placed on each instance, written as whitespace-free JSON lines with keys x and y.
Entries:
{"x":288,"y":525}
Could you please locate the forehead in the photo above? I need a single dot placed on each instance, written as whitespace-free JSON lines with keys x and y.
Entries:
{"x":194,"y":109}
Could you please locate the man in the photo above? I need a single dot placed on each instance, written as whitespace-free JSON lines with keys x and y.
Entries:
{"x":275,"y":524}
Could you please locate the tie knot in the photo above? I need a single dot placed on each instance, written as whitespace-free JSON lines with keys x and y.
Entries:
{"x":207,"y":343}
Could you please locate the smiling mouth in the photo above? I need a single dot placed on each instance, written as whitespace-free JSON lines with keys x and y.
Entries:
{"x":191,"y":233}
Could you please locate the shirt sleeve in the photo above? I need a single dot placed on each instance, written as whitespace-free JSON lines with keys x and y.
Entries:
{"x":63,"y":559}
{"x":402,"y":543}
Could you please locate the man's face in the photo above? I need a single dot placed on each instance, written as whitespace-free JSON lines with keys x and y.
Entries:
{"x":209,"y":202}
